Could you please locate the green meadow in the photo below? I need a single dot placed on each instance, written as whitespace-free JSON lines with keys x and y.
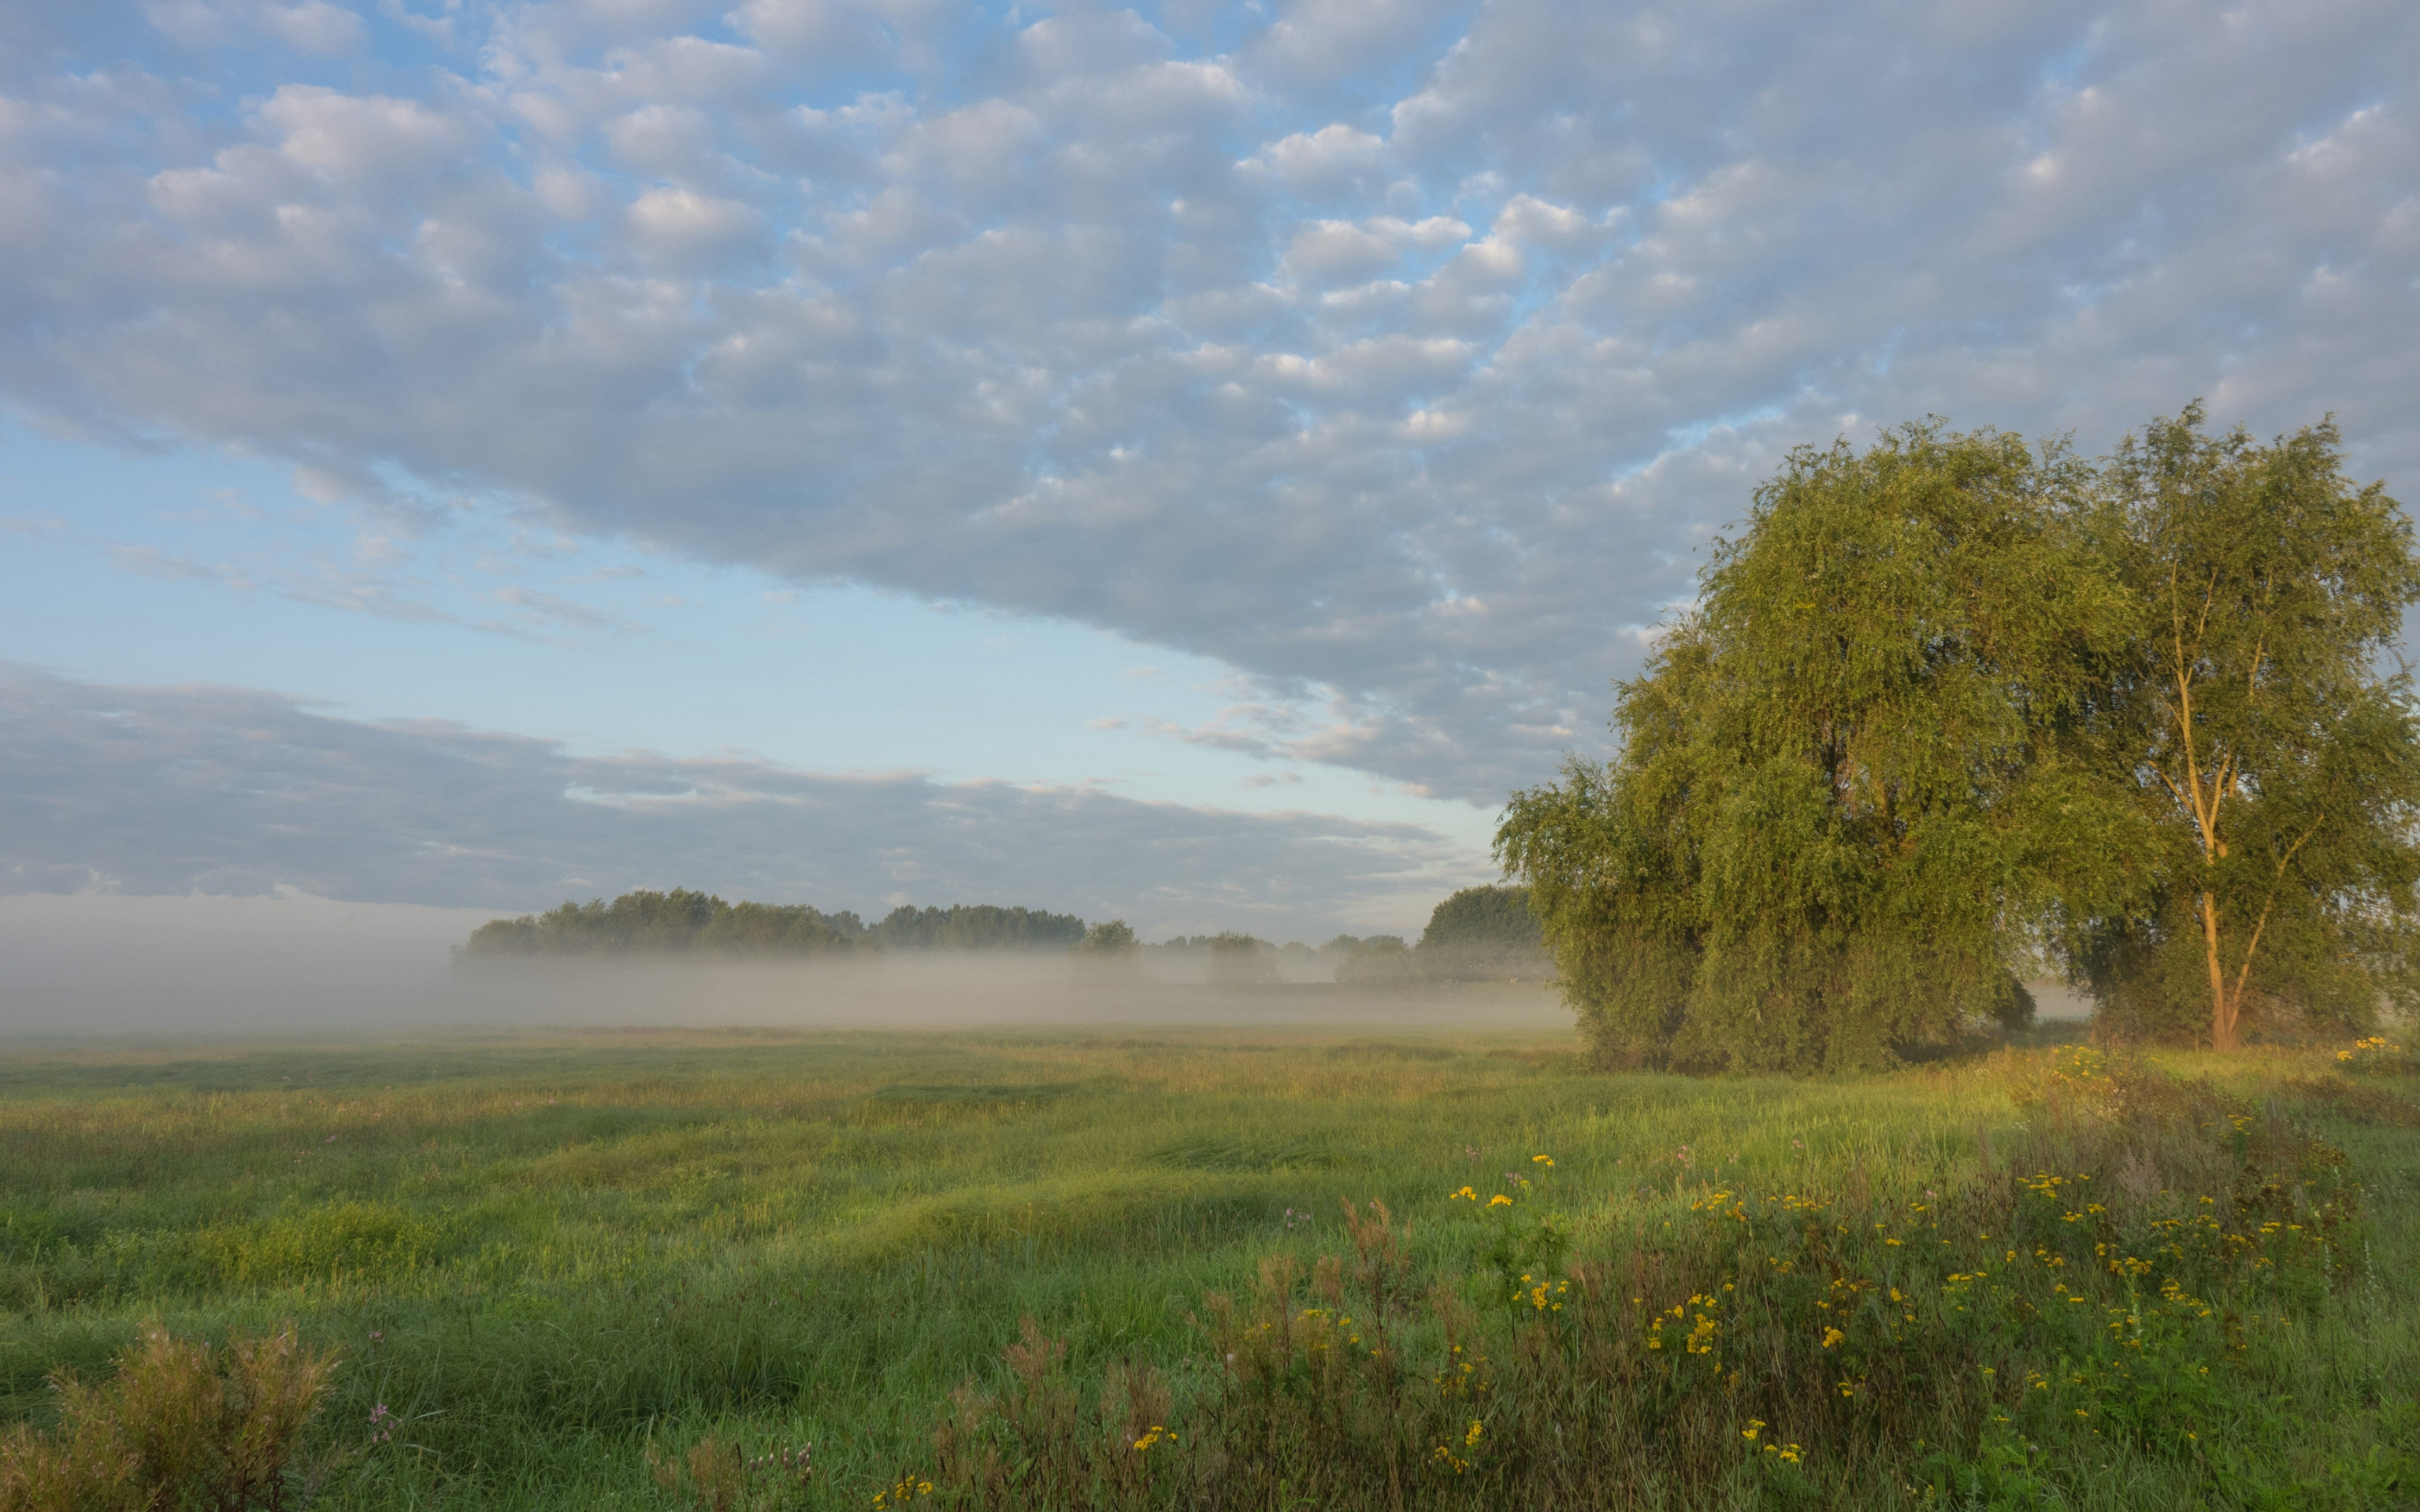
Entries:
{"x":542,"y":1256}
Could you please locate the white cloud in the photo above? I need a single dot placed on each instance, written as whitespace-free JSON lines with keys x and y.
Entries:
{"x":1325,"y":40}
{"x":1335,"y":159}
{"x":310,"y":26}
{"x":1285,"y":352}
{"x":684,"y":230}
{"x":360,"y":138}
{"x":1333,"y":251}
{"x":1089,"y":42}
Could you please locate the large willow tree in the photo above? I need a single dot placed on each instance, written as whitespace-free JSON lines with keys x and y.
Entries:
{"x":1848,"y":799}
{"x":1953,"y":706}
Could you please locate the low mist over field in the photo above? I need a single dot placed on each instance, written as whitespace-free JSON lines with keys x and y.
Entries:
{"x":105,"y":964}
{"x":287,"y":964}
{"x":974,"y":990}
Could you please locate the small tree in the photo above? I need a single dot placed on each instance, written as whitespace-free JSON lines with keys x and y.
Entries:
{"x":1483,"y":935}
{"x":1377,"y":961}
{"x":2275,"y":760}
{"x":1239,"y":960}
{"x":1108,"y":952}
{"x":1114,"y":939}
{"x":1845,"y":800}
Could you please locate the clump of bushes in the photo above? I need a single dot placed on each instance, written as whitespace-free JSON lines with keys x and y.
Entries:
{"x":176,"y":1425}
{"x":2105,"y":1283}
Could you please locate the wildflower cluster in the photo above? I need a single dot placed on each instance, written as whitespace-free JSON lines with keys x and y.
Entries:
{"x":1445,"y":1457}
{"x":1697,"y":1331}
{"x":1527,"y":1241}
{"x":2375,"y":1056}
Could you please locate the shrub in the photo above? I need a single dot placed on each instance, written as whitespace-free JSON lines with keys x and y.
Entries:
{"x":1485,"y":934}
{"x":178,"y":1424}
{"x":1376,"y":961}
{"x":717,"y":1475}
{"x":1241,"y":961}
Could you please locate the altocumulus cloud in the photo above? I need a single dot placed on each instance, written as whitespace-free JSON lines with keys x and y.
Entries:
{"x":178,"y":790}
{"x":1400,"y":355}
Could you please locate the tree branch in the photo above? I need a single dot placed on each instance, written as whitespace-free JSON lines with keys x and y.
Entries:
{"x":2210,"y":596}
{"x":2243,"y":974}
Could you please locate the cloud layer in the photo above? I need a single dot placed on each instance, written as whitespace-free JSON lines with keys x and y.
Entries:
{"x":1399,"y":355}
{"x":153,"y":791}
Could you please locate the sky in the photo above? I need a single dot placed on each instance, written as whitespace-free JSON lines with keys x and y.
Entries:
{"x":1185,"y":463}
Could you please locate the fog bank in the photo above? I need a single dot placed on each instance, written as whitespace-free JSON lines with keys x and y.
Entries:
{"x":951,"y":990}
{"x":105,"y":964}
{"x":101,"y":963}
{"x":108,"y":964}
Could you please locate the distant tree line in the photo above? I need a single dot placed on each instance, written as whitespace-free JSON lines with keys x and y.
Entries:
{"x":701,"y":923}
{"x":1955,"y":708}
{"x":1479,"y":933}
{"x":1484,"y":933}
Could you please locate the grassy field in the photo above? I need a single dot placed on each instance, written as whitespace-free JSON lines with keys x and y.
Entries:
{"x":542,"y":1256}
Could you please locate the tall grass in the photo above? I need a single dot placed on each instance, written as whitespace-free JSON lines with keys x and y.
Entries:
{"x":2090,"y":1296}
{"x":547,"y":1257}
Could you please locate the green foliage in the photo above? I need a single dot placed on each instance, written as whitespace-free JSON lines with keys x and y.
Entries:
{"x":1843,"y":796}
{"x":976,"y":927}
{"x":1109,"y":952}
{"x":2275,"y":766}
{"x":678,"y":920}
{"x":1485,"y":934}
{"x":1527,"y":1241}
{"x":1951,"y":707}
{"x":1114,"y":938}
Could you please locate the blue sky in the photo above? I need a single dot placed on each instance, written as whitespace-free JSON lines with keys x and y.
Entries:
{"x":177,"y":569}
{"x":1187,"y":462}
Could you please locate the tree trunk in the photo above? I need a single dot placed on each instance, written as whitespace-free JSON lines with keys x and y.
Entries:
{"x":2221,"y":1008}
